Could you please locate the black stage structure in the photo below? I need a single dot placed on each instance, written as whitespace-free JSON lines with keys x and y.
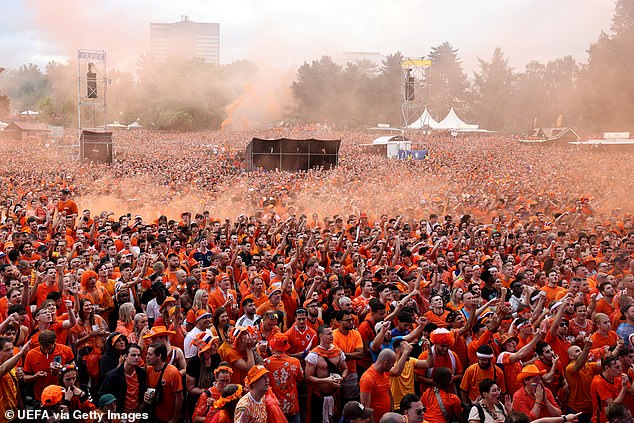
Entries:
{"x":95,"y":146}
{"x":291,"y":155}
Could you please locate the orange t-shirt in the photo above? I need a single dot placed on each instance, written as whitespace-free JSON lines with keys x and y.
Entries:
{"x":551,"y":293}
{"x":229,"y":354}
{"x":172,"y":382}
{"x":511,"y":371}
{"x":268,"y":306}
{"x":348,"y":343}
{"x":36,"y":361}
{"x":440,"y":321}
{"x":579,"y":394}
{"x":600,"y":341}
{"x":42,"y":291}
{"x":452,"y":362}
{"x":68,"y":206}
{"x":474,"y":375}
{"x":560,"y":347}
{"x":301,"y":341}
{"x":600,"y":390}
{"x":132,"y":398}
{"x":258,"y":301}
{"x":433,"y":413}
{"x":604,"y":307}
{"x":558,"y":376}
{"x":378,"y":386}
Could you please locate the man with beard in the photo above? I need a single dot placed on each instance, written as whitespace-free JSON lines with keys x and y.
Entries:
{"x":477,"y":372}
{"x":300,"y":336}
{"x":249,"y":317}
{"x":349,"y":340}
{"x":550,"y":363}
{"x":442,"y":340}
{"x":556,"y":335}
{"x":314,"y":321}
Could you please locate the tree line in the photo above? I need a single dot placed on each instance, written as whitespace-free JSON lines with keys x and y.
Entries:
{"x":594,"y":96}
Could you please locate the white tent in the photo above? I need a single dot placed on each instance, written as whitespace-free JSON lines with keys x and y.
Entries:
{"x":424,"y":121}
{"x":452,"y":121}
{"x":134,"y":125}
{"x":29,"y":113}
{"x":3,"y":125}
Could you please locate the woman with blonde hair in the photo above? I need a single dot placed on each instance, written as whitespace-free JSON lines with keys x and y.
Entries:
{"x":201,"y":302}
{"x":125,"y":324}
{"x":140,"y":329}
{"x":455,"y":300}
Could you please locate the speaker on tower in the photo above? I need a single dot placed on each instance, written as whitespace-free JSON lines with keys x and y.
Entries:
{"x":91,"y":78}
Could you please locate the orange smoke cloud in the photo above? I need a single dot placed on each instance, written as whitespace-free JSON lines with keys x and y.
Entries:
{"x":264,"y":100}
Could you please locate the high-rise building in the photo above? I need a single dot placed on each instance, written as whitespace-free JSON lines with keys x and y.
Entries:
{"x":186,"y":39}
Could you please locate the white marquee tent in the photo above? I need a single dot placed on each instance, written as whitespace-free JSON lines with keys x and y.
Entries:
{"x":451,"y":121}
{"x":424,"y":121}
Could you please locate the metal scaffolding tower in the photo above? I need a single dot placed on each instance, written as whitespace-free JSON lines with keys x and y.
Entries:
{"x":413,"y":99}
{"x":91,"y":90}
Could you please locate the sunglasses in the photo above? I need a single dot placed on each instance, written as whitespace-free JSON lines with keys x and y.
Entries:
{"x":420,"y":411}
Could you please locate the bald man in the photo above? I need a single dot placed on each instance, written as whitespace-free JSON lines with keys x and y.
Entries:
{"x":392,"y":418}
{"x":375,"y":384}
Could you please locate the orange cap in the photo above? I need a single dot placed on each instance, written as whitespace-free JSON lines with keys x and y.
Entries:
{"x":52,"y":395}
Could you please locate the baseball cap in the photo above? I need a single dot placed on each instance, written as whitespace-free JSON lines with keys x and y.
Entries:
{"x":52,"y":395}
{"x":106,"y":400}
{"x":310,"y":301}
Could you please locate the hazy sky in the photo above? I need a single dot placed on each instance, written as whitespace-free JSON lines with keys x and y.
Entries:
{"x":285,"y":33}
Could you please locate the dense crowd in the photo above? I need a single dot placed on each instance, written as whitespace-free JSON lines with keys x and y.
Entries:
{"x":491,"y":282}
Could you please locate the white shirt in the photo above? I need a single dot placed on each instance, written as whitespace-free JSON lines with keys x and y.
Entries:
{"x":153,"y":310}
{"x":191,"y":350}
{"x":246,"y":321}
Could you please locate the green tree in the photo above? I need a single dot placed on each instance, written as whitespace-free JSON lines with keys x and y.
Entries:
{"x":387,"y":91}
{"x":180,"y":94}
{"x":316,"y":89}
{"x":61,"y":80}
{"x":445,"y":81}
{"x":493,"y":86}
{"x":559,"y":81}
{"x":529,"y":100}
{"x":26,"y":87}
{"x":607,"y":81}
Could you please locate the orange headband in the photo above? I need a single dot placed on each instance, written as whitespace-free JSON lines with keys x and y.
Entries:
{"x":222,"y":401}
{"x":223,"y":369}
